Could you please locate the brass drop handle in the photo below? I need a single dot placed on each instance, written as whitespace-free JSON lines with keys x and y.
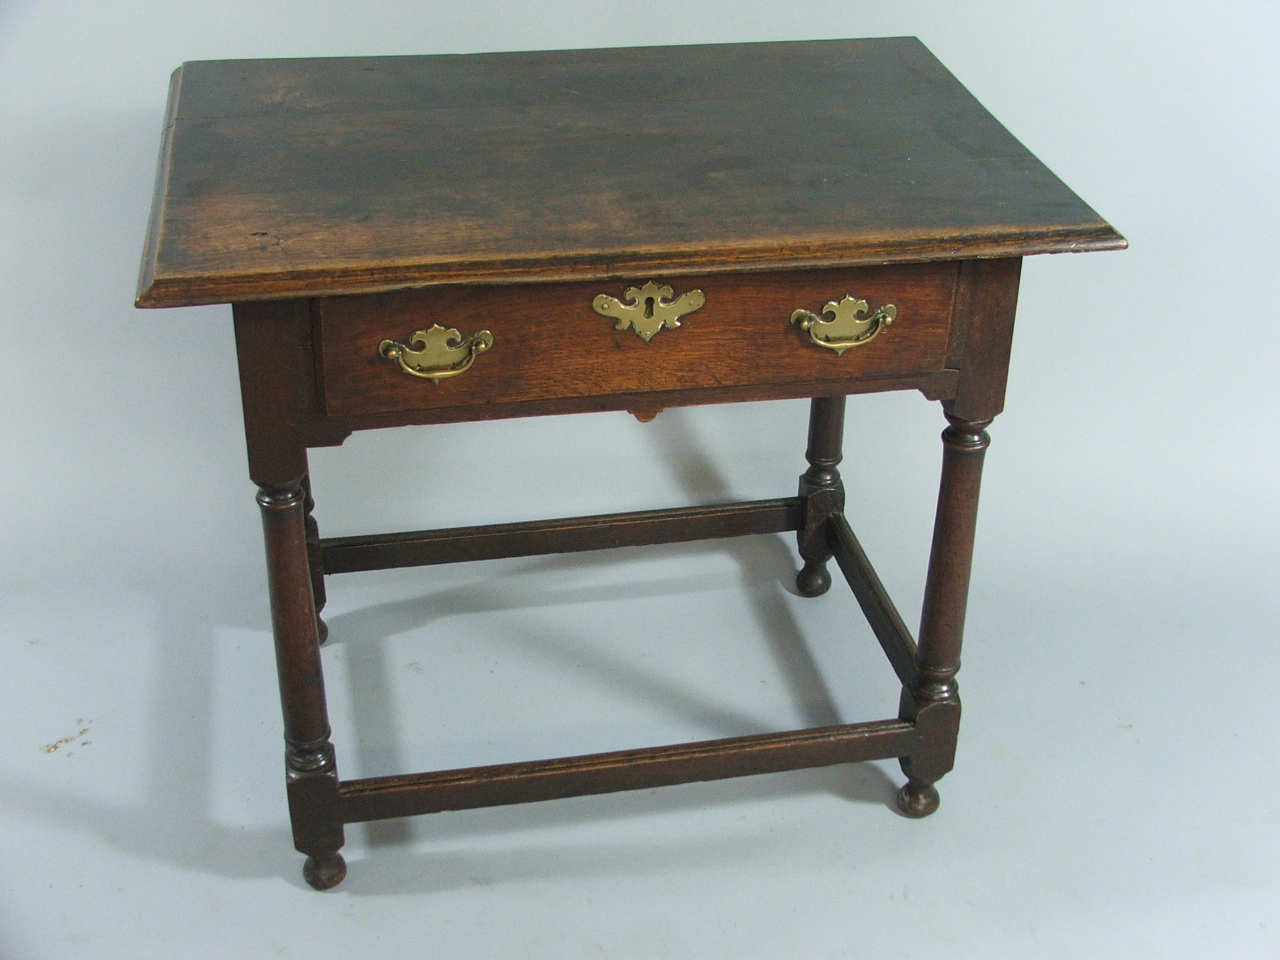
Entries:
{"x":844,"y":329}
{"x":440,"y":353}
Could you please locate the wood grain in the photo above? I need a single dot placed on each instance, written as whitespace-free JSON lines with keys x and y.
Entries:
{"x":341,"y":202}
{"x":569,"y":535}
{"x":285,"y":178}
{"x":549,"y":344}
{"x":407,"y":795}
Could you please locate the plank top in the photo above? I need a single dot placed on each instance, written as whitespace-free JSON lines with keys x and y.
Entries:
{"x":285,"y":178}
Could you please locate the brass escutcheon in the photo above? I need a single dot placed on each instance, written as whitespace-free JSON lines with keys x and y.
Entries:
{"x":440,"y":353}
{"x":651,"y":308}
{"x":844,"y":329}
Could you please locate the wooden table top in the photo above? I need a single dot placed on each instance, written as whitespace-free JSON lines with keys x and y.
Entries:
{"x":287,"y":178}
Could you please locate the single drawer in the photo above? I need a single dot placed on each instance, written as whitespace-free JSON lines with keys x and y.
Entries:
{"x":560,"y":341}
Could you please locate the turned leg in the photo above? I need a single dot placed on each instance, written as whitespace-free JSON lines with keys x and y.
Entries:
{"x":822,"y":492}
{"x":313,"y":557}
{"x":933,"y":703}
{"x":312,"y":778}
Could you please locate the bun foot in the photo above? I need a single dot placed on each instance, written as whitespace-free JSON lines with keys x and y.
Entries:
{"x":813,"y":580}
{"x":322,"y":630}
{"x":917,"y":799}
{"x":324,"y":871}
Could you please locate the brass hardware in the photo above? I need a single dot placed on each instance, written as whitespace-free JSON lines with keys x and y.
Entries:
{"x":844,"y":330}
{"x":441,"y":353}
{"x":651,"y":308}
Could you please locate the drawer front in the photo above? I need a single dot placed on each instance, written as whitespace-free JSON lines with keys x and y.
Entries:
{"x":548,"y":342}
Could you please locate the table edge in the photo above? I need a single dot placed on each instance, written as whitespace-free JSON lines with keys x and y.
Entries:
{"x":183,"y":290}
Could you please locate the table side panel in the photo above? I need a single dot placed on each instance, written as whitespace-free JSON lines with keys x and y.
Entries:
{"x":550,"y":345}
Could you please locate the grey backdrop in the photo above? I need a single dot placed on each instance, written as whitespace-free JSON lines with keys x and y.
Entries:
{"x":1115,"y":793}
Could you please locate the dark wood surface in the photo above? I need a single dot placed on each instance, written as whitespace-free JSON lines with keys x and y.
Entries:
{"x":285,"y":178}
{"x":342,"y":202}
{"x":982,"y":337}
{"x":405,"y":795}
{"x":549,"y":345}
{"x":877,"y":606}
{"x":569,"y":535}
{"x":821,"y":491}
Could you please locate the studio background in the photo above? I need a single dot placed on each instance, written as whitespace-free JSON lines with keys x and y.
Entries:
{"x":1114,"y":793}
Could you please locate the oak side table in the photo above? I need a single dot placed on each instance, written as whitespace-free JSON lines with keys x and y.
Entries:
{"x":430,"y":239}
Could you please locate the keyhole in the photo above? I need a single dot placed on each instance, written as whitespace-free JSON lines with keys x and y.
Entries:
{"x":648,"y":308}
